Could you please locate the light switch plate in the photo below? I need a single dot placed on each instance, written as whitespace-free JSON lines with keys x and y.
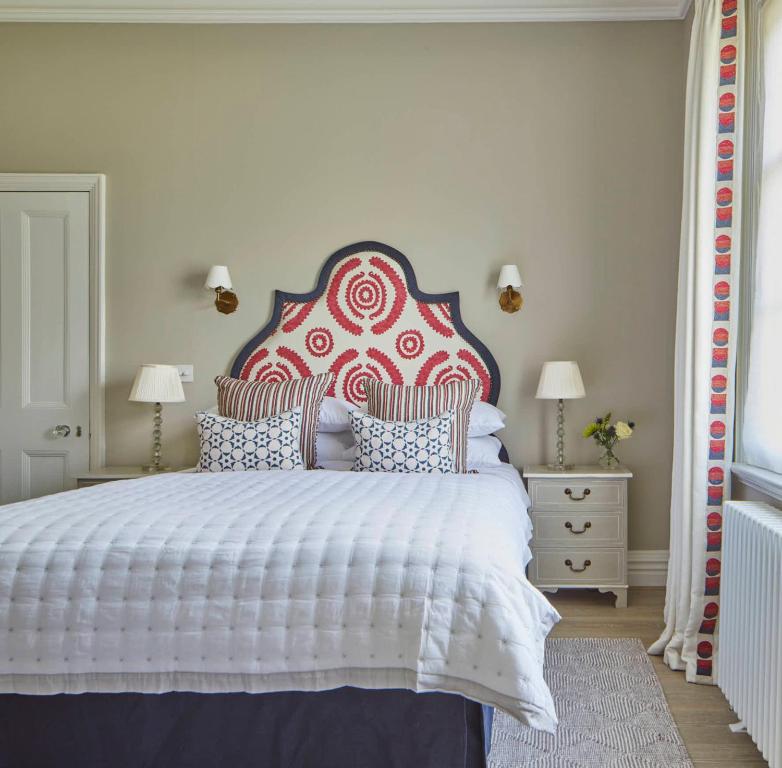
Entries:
{"x":185,"y":372}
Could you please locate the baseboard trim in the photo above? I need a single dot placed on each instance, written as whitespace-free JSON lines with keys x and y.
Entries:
{"x":647,"y":567}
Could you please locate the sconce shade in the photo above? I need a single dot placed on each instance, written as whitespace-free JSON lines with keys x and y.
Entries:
{"x":509,"y":276}
{"x":218,"y":277}
{"x":157,"y":384}
{"x":560,"y":380}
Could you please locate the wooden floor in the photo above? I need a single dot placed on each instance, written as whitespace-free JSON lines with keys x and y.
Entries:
{"x":700,"y":711}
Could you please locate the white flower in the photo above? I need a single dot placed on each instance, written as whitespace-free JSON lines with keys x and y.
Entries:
{"x":623,"y":430}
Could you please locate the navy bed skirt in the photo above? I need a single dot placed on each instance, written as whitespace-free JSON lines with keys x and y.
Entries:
{"x":343,"y":728}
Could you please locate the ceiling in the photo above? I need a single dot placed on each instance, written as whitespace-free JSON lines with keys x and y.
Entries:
{"x":339,"y":11}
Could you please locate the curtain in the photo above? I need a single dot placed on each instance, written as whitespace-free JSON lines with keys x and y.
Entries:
{"x":705,"y":329}
{"x":762,"y":423}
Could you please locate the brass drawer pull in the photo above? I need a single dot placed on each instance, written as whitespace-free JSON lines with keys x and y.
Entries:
{"x":569,"y":492}
{"x":569,"y":564}
{"x":570,"y":527}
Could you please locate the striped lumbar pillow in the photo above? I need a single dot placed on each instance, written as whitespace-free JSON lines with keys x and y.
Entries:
{"x":399,"y":402}
{"x":256,"y":400}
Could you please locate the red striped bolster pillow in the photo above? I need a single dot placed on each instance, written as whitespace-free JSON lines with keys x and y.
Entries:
{"x":255,"y":400}
{"x":400,"y":402}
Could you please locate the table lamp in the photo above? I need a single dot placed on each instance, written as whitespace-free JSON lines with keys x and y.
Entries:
{"x":157,"y":384}
{"x":560,"y":380}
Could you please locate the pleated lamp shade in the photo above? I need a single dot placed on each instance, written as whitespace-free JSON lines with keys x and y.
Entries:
{"x":560,"y":380}
{"x":509,"y":276}
{"x":218,"y":277}
{"x":157,"y":384}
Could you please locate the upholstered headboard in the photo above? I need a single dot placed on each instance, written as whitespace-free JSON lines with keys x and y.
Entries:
{"x":367,"y":317}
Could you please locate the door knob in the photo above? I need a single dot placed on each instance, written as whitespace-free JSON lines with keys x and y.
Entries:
{"x":61,"y":430}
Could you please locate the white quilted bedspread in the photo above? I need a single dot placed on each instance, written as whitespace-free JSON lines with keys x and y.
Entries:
{"x":271,"y":581}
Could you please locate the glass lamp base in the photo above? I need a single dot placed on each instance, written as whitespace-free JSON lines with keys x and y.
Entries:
{"x":559,"y":467}
{"x":151,"y":469}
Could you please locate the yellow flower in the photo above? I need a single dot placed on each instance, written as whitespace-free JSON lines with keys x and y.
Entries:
{"x":623,"y":430}
{"x":590,"y":430}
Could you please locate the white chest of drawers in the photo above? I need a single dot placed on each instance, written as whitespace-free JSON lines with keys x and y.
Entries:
{"x":579,"y":537}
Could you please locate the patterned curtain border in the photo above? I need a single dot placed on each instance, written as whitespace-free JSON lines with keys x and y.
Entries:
{"x":721,"y":382}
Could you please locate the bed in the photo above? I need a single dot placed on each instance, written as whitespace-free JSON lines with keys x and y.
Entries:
{"x":276,"y":618}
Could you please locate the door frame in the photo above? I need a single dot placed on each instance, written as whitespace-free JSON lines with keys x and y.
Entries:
{"x":95,"y":185}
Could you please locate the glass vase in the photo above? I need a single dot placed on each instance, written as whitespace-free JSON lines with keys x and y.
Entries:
{"x":608,"y":459}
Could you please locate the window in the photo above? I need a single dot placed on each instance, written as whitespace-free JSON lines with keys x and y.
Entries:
{"x":761,"y":429}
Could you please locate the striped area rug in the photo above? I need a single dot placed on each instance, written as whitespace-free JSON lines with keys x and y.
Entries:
{"x":611,"y":708}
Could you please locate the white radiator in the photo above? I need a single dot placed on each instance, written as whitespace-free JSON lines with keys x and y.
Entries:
{"x":749,"y":666}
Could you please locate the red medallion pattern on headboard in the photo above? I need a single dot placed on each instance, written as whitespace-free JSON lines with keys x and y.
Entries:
{"x":367,"y":318}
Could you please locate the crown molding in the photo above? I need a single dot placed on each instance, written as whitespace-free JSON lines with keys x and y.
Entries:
{"x":684,"y":8}
{"x":647,"y":11}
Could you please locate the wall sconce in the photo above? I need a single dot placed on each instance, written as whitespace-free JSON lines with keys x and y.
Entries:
{"x":510,"y":299}
{"x":219,"y":281}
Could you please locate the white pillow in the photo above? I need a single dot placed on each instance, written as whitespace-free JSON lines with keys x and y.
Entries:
{"x":334,"y":415}
{"x":335,"y":446}
{"x":485,"y":419}
{"x":483,"y":451}
{"x":336,"y":466}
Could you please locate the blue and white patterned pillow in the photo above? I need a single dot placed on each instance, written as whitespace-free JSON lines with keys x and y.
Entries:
{"x":228,"y":445}
{"x":402,"y":446}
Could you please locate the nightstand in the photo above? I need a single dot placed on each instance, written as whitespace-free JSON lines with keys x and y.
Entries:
{"x":579,"y":535}
{"x":107,"y":475}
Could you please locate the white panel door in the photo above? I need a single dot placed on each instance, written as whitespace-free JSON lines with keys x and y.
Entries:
{"x":44,"y":342}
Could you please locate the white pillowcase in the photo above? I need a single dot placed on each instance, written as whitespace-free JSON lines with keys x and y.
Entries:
{"x":485,"y":419}
{"x":336,"y":466}
{"x":335,"y":446}
{"x":334,"y":415}
{"x":338,"y":449}
{"x":483,"y":451}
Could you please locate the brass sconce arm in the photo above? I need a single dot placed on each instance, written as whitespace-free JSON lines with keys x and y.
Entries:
{"x":226,"y":301}
{"x":510,"y":300}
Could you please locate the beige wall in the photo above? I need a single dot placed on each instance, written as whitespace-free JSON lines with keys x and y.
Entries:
{"x":465,"y":146}
{"x":741,"y":491}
